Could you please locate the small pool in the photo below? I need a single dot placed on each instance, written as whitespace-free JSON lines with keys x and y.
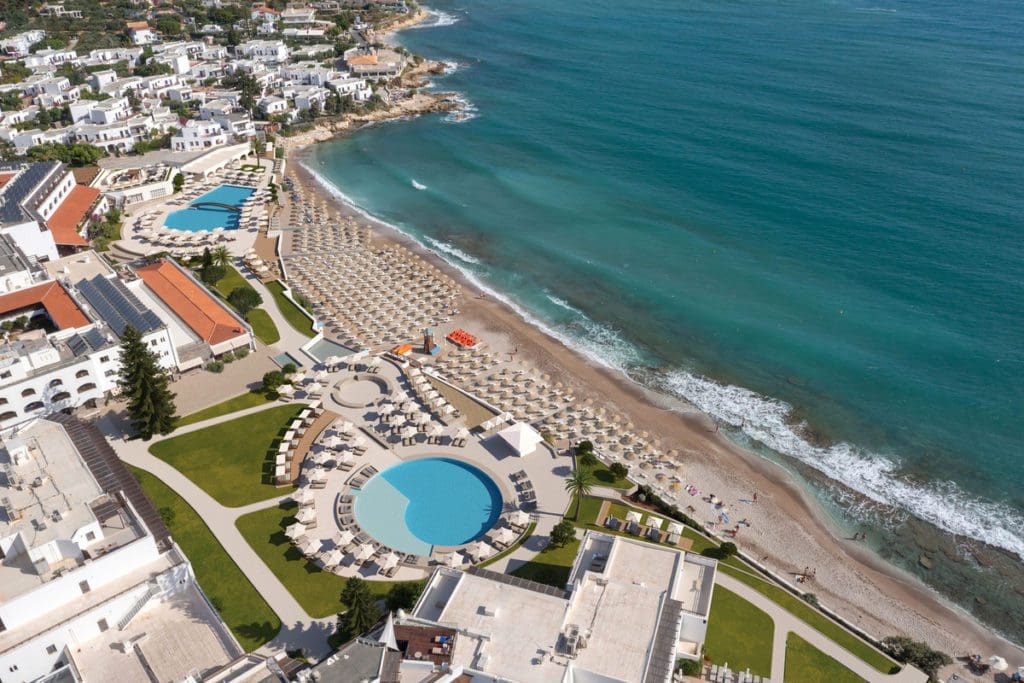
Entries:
{"x":325,"y":348}
{"x":200,"y":215}
{"x":429,"y":502}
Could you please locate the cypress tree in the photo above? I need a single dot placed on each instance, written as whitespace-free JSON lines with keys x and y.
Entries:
{"x":145,"y":385}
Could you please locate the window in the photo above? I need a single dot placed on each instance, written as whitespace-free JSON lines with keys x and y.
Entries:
{"x":10,"y":414}
{"x":56,"y":382}
{"x":88,"y":386}
{"x":28,"y":392}
{"x":60,"y":396}
{"x":102,"y":624}
{"x":34,"y":405}
{"x":84,"y":586}
{"x":51,"y":649}
{"x":104,"y":359}
{"x":81,"y":373}
{"x":5,"y":374}
{"x":3,"y":401}
{"x":90,"y":535}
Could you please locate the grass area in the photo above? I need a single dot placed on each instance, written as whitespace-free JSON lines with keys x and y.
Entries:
{"x":291,"y":312}
{"x":262,"y":326}
{"x":318,"y":592}
{"x":232,"y":461}
{"x":604,"y":477}
{"x":813,"y":618}
{"x":232,"y":280}
{"x":806,"y":663}
{"x":739,"y":634}
{"x":243,"y":609}
{"x":249,"y":399}
{"x":550,"y":566}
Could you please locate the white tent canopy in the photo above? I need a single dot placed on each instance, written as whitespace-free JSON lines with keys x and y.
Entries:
{"x":522,"y":438}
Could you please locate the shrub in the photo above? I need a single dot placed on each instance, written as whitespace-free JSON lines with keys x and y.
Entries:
{"x":244,"y":299}
{"x":179,"y":182}
{"x":289,"y":369}
{"x":587,"y":459}
{"x":563,"y":532}
{"x":689,"y":667}
{"x":620,"y":471}
{"x":403,"y":595}
{"x":584,"y":447}
{"x":167,"y":514}
{"x":811,"y":599}
{"x":909,"y":651}
{"x":212,"y":274}
{"x":215,"y":366}
{"x":241,"y":352}
{"x":272,"y":380}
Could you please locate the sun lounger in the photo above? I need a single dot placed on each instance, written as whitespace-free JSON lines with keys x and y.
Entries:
{"x":613,"y":523}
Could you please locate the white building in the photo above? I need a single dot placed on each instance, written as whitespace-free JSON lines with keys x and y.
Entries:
{"x":140,"y":33}
{"x":274,"y":105}
{"x":196,"y":135}
{"x":356,"y":88}
{"x":237,"y":125}
{"x":129,"y":186}
{"x":92,"y":587}
{"x":371,"y":62}
{"x":50,"y":56}
{"x":629,"y":611}
{"x":29,"y":196}
{"x":264,"y":50}
{"x":110,"y":111}
{"x":298,"y":16}
{"x":18,"y":46}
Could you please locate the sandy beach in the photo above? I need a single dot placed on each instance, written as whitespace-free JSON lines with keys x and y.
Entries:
{"x":788,"y":531}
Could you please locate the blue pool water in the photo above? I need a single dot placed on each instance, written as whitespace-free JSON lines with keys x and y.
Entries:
{"x":423,"y":503}
{"x":196,"y":218}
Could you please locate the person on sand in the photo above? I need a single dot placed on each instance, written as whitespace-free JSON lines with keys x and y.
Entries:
{"x":755,"y":496}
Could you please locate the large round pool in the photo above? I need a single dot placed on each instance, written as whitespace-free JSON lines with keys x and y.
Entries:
{"x":428,"y":502}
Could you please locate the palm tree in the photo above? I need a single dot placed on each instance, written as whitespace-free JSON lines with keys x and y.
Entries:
{"x":579,"y":484}
{"x":222,"y":256}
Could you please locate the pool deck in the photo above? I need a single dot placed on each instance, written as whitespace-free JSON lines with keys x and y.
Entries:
{"x":545,"y":469}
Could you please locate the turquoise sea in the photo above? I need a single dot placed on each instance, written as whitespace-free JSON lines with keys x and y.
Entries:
{"x":805,"y":217}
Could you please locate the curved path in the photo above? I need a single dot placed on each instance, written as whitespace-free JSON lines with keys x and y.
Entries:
{"x":786,"y":623}
{"x":298,"y":629}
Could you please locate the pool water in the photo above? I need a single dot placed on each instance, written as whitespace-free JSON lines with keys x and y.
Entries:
{"x":196,"y":218}
{"x":429,"y":502}
{"x":325,"y":348}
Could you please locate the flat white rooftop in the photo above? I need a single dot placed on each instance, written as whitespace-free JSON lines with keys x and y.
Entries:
{"x":619,"y":619}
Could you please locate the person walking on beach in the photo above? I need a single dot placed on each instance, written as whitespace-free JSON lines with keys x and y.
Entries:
{"x":755,"y":496}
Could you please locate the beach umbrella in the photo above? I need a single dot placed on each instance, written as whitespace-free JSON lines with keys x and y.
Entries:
{"x":359,"y":441}
{"x":451,"y":560}
{"x":346,"y":427}
{"x":295,"y":531}
{"x":344,"y":538}
{"x":332,"y":361}
{"x":504,"y":535}
{"x":334,"y":557}
{"x":388,"y":561}
{"x":332,"y":442}
{"x":306,"y":515}
{"x":634,"y":516}
{"x":307,"y":546}
{"x":318,"y":476}
{"x":386,"y":408}
{"x":479,"y":550}
{"x":423,"y":418}
{"x":345,"y":458}
{"x":286,"y":390}
{"x":436,"y":432}
{"x":397,"y":421}
{"x":303,"y":496}
{"x":675,"y":528}
{"x":364,"y":551}
{"x":409,"y":433}
{"x":463,"y":433}
{"x":654,"y":522}
{"x":997,"y":663}
{"x":519,"y":518}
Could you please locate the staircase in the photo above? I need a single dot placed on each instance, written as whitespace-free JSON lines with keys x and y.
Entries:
{"x":152,"y":589}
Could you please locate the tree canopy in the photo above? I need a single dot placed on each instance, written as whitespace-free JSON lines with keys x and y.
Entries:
{"x":145,"y":385}
{"x":73,"y":153}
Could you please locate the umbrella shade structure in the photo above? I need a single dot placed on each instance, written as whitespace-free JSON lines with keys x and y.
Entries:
{"x":307,"y":546}
{"x":633,"y":516}
{"x":386,"y":409}
{"x":463,"y":433}
{"x":388,"y":561}
{"x":286,"y":390}
{"x":409,"y":433}
{"x":344,"y":538}
{"x":504,"y":535}
{"x":359,"y":441}
{"x":332,"y":361}
{"x":295,"y":531}
{"x":998,"y":663}
{"x":364,"y":551}
{"x":521,"y":438}
{"x":655,"y":522}
{"x":479,"y":550}
{"x":519,"y":518}
{"x":334,"y":558}
{"x":318,"y":476}
{"x":346,"y":427}
{"x":451,"y":560}
{"x":345,"y":458}
{"x":675,"y":528}
{"x":306,"y":515}
{"x":397,"y":421}
{"x":332,"y":442}
{"x":303,"y":496}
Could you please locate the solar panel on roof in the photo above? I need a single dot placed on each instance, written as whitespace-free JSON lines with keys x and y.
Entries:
{"x":117,"y":305}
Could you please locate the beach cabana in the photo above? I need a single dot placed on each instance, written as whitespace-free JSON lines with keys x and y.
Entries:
{"x":675,"y":528}
{"x":505,"y":536}
{"x":387,"y":562}
{"x":306,"y":515}
{"x":344,"y":538}
{"x":364,"y":552}
{"x":479,"y":550}
{"x":303,"y":496}
{"x":634,"y":516}
{"x":334,"y":558}
{"x":521,"y":438}
{"x":654,"y":522}
{"x":519,"y":518}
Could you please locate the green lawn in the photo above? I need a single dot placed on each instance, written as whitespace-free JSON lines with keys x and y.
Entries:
{"x":243,"y":609}
{"x":813,"y":618}
{"x":232,"y":279}
{"x":291,"y":312}
{"x":808,"y":664}
{"x":739,"y":634}
{"x":262,"y":326}
{"x":604,"y":477}
{"x":316,"y":590}
{"x":512,"y":548}
{"x":232,"y":461}
{"x":249,"y":399}
{"x":550,"y":566}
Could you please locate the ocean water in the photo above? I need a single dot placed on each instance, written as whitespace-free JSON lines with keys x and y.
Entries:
{"x":804,"y":217}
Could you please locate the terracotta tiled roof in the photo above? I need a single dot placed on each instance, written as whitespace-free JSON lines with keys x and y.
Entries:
{"x":72,"y":211}
{"x":4,"y":177}
{"x":61,"y":308}
{"x":362,"y":60}
{"x":268,"y":10}
{"x":85,"y":174}
{"x":137,"y":25}
{"x":192,"y":303}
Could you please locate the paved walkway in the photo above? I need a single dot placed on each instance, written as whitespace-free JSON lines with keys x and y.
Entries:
{"x":298,"y":630}
{"x":291,"y":339}
{"x":786,"y":623}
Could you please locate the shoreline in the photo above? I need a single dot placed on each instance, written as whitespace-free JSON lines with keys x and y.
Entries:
{"x":790,"y":530}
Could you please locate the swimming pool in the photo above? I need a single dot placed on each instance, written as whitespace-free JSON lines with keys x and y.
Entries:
{"x":196,"y":218}
{"x":428,"y":502}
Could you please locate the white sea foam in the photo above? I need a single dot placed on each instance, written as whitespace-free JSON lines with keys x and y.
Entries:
{"x":763,"y":419}
{"x":463,"y":112}
{"x":435,"y":18}
{"x":873,"y":475}
{"x":418,"y":185}
{"x":450,"y":250}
